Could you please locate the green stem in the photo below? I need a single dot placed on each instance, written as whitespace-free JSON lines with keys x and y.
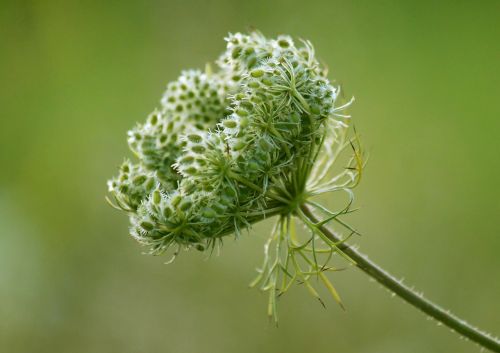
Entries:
{"x":256,"y":187}
{"x":409,"y":295}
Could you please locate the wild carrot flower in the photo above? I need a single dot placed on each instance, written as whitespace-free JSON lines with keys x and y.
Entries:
{"x":229,"y":147}
{"x":259,"y":136}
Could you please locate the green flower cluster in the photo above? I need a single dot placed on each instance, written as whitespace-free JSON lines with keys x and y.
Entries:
{"x":258,"y":137}
{"x":227,"y":148}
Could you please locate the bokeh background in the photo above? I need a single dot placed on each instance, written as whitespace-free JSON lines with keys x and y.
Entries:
{"x":75,"y":75}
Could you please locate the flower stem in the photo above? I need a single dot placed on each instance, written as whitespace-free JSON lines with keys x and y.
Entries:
{"x":409,"y":295}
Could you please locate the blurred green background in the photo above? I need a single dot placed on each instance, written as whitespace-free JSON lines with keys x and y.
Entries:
{"x":74,"y":76}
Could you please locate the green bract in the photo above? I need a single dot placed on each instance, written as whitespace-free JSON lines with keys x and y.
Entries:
{"x":252,"y":139}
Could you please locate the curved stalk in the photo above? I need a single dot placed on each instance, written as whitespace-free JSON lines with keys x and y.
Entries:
{"x":409,"y":295}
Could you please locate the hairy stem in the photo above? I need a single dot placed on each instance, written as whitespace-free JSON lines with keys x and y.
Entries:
{"x":406,"y":293}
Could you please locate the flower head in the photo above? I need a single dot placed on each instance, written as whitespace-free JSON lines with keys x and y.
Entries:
{"x":228,"y":148}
